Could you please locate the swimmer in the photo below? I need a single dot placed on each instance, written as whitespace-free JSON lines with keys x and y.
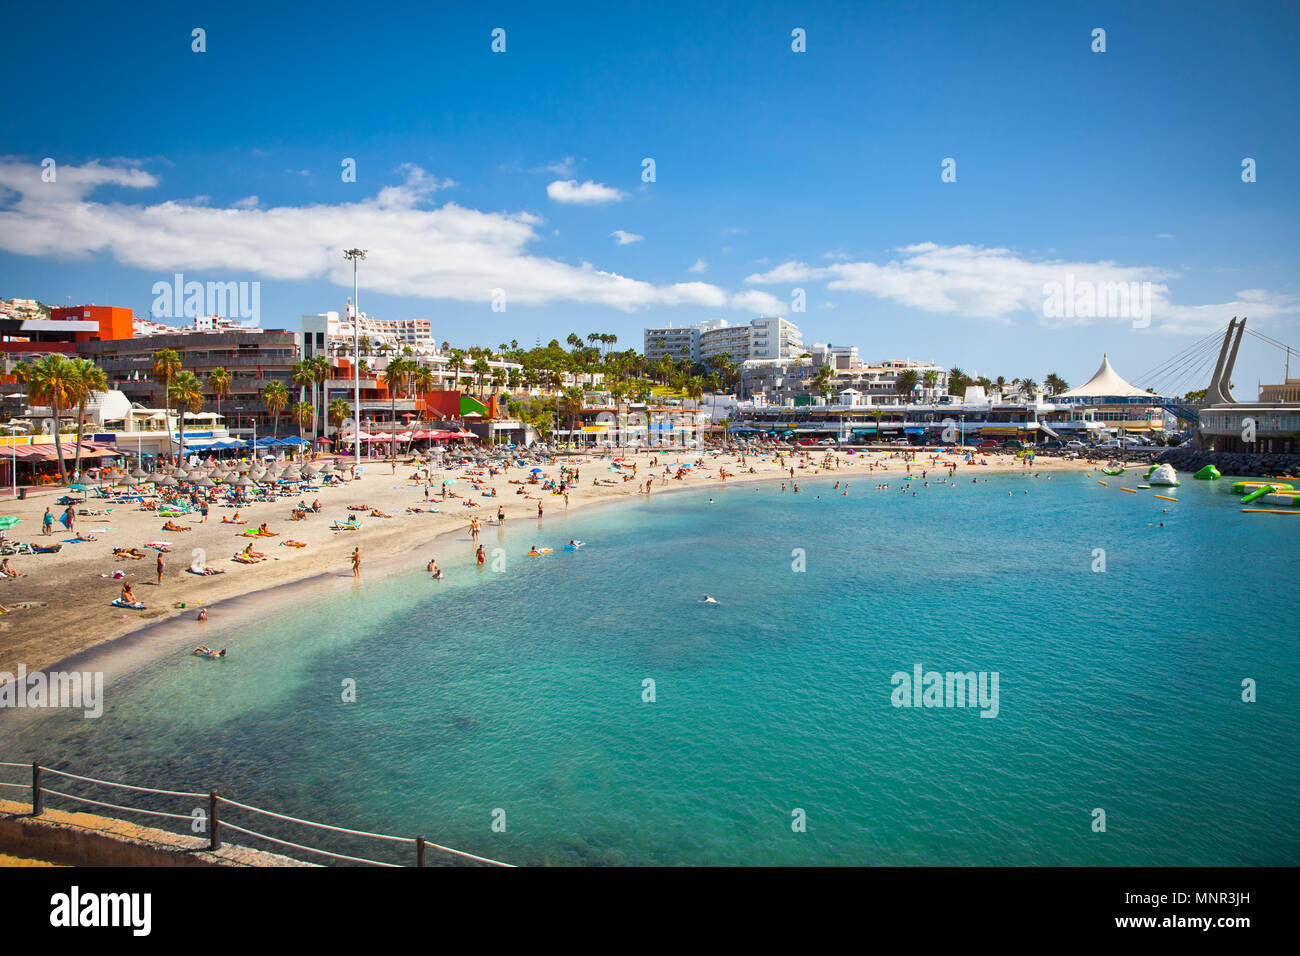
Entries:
{"x":708,"y":600}
{"x":203,"y":614}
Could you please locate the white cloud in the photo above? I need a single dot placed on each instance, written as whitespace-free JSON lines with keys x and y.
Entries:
{"x":996,"y":284}
{"x":700,"y":266}
{"x":588,"y":193}
{"x":248,"y":202}
{"x":415,"y":248}
{"x":1165,"y":235}
{"x":626,"y":238}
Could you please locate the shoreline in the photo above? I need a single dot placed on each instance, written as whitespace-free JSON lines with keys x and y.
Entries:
{"x":63,"y":633}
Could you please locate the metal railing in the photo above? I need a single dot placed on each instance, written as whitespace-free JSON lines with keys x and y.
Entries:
{"x":215,"y":823}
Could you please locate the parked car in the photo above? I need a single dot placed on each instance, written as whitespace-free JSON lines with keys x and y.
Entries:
{"x":1075,"y":443}
{"x":1052,"y":444}
{"x":1013,"y":445}
{"x":806,"y":441}
{"x":987,"y":443}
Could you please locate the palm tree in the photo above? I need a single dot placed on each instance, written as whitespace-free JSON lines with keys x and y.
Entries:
{"x":90,"y":379}
{"x":339,"y":409}
{"x":906,"y":383}
{"x":694,"y":388}
{"x":395,"y":374}
{"x":187,"y":392}
{"x":275,"y":396}
{"x":219,"y":382}
{"x":54,"y":382}
{"x":322,"y":369}
{"x":930,"y":377}
{"x":304,"y":413}
{"x":571,"y":403}
{"x":166,"y":365}
{"x":1055,"y":384}
{"x":422,"y":380}
{"x":480,"y":368}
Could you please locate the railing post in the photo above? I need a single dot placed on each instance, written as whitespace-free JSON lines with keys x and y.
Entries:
{"x":214,"y":826}
{"x":36,"y":789}
{"x":419,"y":850}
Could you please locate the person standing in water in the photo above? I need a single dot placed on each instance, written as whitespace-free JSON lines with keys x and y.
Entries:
{"x":480,"y":555}
{"x":356,"y":562}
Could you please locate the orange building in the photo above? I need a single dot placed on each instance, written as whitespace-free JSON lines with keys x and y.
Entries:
{"x":114,"y":321}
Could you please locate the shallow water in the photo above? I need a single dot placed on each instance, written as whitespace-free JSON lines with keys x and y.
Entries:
{"x":522,"y":690}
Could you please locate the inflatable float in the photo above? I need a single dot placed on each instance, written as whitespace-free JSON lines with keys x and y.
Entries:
{"x":137,"y":606}
{"x":1258,"y":493}
{"x":574,"y":546}
{"x":1208,"y":473}
{"x":1164,"y":475}
{"x":536,"y":552}
{"x":1113,"y":471}
{"x":1246,"y":487}
{"x":1283,"y":499}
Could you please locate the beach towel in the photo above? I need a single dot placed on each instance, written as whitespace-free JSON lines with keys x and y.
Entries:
{"x":137,"y":606}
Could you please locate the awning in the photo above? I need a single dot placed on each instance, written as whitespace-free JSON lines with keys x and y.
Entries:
{"x":48,"y":452}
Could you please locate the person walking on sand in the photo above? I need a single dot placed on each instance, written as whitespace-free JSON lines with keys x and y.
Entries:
{"x":501,"y":514}
{"x":356,"y":562}
{"x":161,"y":565}
{"x":47,"y":522}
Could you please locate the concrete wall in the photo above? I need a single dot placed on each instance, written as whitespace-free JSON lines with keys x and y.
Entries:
{"x":83,"y":839}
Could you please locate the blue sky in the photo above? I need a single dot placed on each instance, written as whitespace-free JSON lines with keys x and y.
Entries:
{"x":775,"y":170}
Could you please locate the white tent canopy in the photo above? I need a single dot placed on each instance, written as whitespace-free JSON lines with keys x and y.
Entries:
{"x":1106,"y":382}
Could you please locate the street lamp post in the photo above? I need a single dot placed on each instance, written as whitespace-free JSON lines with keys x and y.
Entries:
{"x":355,"y":255}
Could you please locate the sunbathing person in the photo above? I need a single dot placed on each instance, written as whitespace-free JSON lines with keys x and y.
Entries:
{"x":173,"y":526}
{"x":376,"y":513}
{"x":266,"y":532}
{"x":7,"y":570}
{"x":128,"y":553}
{"x":128,"y":596}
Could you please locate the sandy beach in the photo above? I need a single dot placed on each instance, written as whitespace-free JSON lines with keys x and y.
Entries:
{"x":61,"y":603}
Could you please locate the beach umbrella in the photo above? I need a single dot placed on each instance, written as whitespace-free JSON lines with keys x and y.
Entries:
{"x":166,"y":481}
{"x":243,"y":483}
{"x":205,"y":482}
{"x":139,"y":473}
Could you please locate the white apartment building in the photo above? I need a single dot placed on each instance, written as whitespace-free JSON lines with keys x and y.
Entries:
{"x":671,"y":340}
{"x":769,"y":337}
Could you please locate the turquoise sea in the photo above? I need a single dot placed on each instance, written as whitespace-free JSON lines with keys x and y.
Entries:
{"x":523,"y":690}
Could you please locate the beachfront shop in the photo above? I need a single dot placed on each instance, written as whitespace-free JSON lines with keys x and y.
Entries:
{"x":34,"y":459}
